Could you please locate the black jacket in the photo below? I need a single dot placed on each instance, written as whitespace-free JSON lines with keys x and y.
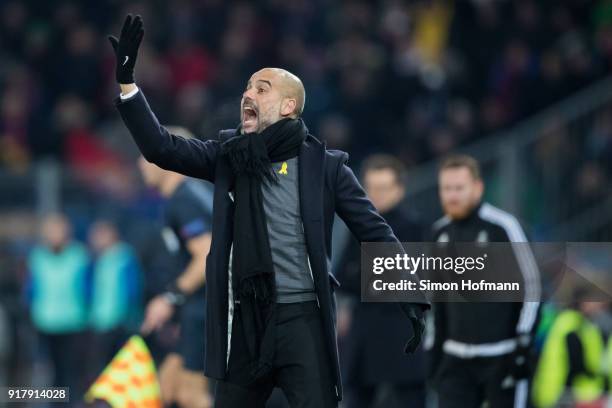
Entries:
{"x":327,"y":186}
{"x":490,"y":323}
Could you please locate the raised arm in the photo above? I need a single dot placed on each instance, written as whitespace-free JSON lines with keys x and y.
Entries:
{"x":191,"y":157}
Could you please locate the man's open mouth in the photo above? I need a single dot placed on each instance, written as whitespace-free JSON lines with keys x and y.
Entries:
{"x":249,"y":115}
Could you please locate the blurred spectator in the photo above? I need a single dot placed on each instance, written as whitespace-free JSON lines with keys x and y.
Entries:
{"x":372,"y":333}
{"x":480,"y":351}
{"x":590,"y":186}
{"x":116,"y":302}
{"x":57,"y":299}
{"x":570,"y":368}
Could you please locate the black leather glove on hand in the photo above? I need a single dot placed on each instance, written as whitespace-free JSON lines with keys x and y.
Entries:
{"x":126,"y":48}
{"x":415,"y":314}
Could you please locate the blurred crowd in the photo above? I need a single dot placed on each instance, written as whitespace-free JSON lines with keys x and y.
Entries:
{"x":416,"y":78}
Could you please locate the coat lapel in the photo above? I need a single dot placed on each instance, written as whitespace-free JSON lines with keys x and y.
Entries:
{"x":311,"y":157}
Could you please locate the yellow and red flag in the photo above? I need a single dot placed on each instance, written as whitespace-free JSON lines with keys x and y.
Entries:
{"x":129,"y":380}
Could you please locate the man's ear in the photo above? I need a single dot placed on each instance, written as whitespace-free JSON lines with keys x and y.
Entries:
{"x":288,"y":106}
{"x":479,"y":188}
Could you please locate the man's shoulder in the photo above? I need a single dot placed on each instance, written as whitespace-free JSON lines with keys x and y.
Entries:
{"x":191,"y":193}
{"x":337,"y":155}
{"x":333,"y":156}
{"x":333,"y":159}
{"x":225,"y":134}
{"x":440,"y":225}
{"x":504,"y":222}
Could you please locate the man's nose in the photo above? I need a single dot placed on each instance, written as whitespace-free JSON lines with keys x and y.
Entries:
{"x":248,"y":94}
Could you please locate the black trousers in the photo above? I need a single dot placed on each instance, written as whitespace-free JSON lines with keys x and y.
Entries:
{"x":465,"y":383}
{"x":66,"y":353}
{"x":302,"y":366}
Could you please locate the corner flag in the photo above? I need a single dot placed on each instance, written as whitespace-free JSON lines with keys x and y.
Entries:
{"x":129,"y":380}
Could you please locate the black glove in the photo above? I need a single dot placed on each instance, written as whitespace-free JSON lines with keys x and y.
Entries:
{"x":415,"y":314}
{"x":126,"y":48}
{"x":519,"y":362}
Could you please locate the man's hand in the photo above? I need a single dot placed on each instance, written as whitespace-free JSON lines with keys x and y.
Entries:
{"x":126,"y":48}
{"x":159,"y":311}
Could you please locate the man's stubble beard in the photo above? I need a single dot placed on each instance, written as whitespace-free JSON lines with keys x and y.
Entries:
{"x":263,"y":125}
{"x":464,"y":213}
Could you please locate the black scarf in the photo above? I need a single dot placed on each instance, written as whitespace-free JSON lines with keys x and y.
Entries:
{"x":253,"y":281}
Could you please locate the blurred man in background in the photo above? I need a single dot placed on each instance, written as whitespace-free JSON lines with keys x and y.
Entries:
{"x":187,"y":215}
{"x":574,"y":367}
{"x":379,"y":377}
{"x":116,"y":294}
{"x":481,"y":350}
{"x":58,"y":301}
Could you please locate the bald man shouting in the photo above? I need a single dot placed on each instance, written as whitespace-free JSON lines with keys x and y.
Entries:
{"x":270,"y":305}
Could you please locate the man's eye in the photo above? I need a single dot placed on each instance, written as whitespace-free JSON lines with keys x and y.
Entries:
{"x":260,"y":90}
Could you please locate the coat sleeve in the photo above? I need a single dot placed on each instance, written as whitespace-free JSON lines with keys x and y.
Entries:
{"x":191,"y":157}
{"x":360,"y":216}
{"x":356,"y":210}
